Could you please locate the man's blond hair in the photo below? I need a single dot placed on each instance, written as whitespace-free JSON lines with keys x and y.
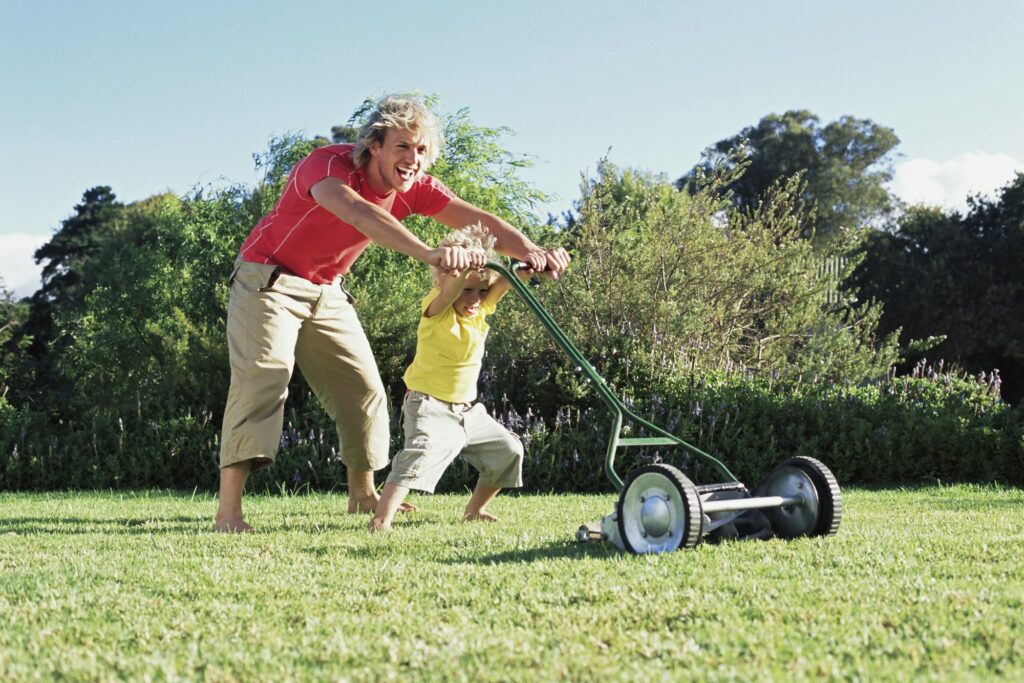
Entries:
{"x":474,"y":237}
{"x":406,"y":113}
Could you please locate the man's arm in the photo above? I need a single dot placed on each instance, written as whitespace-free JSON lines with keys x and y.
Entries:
{"x":511,"y":242}
{"x":385,"y":230}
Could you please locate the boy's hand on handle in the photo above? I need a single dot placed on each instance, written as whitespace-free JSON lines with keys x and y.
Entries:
{"x":478,"y":259}
{"x":454,"y":260}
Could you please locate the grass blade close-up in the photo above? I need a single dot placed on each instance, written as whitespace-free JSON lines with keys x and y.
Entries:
{"x":919,"y":583}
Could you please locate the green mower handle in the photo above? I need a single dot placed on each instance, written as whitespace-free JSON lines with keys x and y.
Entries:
{"x":610,"y":398}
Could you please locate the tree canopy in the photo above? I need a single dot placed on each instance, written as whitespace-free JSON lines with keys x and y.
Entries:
{"x":959,"y":278}
{"x":69,"y":259}
{"x":845,"y":165}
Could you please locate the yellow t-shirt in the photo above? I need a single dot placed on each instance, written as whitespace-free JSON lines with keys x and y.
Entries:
{"x":449,"y":353}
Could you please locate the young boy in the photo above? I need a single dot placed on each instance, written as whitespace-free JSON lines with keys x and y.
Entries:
{"x":441,"y":421}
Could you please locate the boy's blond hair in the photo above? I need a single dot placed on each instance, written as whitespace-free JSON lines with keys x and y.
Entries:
{"x":474,"y":237}
{"x":407,"y":113}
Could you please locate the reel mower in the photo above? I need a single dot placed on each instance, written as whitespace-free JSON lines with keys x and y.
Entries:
{"x":660,"y":509}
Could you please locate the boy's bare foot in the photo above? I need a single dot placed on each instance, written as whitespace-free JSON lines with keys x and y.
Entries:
{"x":231,"y":526}
{"x":361,"y":505}
{"x":378,"y":525}
{"x":479,"y":516}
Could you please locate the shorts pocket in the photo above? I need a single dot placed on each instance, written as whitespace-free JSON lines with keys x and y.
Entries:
{"x":415,"y":403}
{"x":409,"y":461}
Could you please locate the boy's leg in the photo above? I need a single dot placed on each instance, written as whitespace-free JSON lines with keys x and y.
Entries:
{"x":337,"y":362}
{"x":387,"y":506}
{"x":434,"y":435}
{"x":476,"y":509}
{"x":497,"y":454}
{"x":493,"y":450}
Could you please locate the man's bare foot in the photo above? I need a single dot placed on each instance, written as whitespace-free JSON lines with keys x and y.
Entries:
{"x":362,"y":505}
{"x":231,"y":526}
{"x":358,"y":505}
{"x":479,"y":516}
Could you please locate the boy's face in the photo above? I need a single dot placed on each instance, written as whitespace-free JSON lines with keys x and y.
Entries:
{"x":473,"y":292}
{"x":398,"y":160}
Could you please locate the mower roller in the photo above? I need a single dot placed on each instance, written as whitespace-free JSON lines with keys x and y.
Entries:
{"x":660,"y":509}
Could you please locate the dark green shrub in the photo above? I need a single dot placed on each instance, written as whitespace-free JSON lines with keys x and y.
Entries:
{"x":912,"y":429}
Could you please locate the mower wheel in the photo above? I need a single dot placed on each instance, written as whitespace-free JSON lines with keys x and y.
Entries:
{"x":659,"y":511}
{"x":822,"y":511}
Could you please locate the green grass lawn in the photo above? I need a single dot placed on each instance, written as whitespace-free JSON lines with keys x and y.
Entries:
{"x":918,"y":584}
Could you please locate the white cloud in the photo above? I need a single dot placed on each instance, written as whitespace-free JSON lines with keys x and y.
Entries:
{"x":17,"y":267}
{"x":947,"y":184}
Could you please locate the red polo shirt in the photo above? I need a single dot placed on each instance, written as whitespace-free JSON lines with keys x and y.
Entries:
{"x":307,"y":240}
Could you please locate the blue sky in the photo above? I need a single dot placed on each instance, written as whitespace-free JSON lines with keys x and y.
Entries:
{"x":148,"y":97}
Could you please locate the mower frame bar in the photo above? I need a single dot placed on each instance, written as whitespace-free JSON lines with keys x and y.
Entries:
{"x":730,"y":504}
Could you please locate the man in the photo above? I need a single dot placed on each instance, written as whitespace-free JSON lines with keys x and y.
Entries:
{"x":288,"y":302}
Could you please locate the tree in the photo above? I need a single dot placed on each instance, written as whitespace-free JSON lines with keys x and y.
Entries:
{"x":956,"y":278}
{"x":845,"y":166}
{"x":669,"y":285}
{"x":80,"y":237}
{"x":68,"y":258}
{"x":12,"y":317}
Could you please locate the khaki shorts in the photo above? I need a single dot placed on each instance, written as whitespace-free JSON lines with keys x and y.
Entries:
{"x":436,"y":432}
{"x":276,"y":320}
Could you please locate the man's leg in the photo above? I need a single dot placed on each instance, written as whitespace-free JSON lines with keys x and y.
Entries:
{"x":337,"y":362}
{"x":229,"y":512}
{"x":362,"y":494}
{"x":262,"y":329}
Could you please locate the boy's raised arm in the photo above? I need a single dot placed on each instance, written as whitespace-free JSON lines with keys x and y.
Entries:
{"x":451,"y":288}
{"x":501,"y":286}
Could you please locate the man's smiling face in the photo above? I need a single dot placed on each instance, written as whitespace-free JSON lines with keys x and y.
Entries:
{"x":398,"y":161}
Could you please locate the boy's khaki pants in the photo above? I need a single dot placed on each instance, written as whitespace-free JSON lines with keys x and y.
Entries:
{"x":276,"y":320}
{"x":437,"y":432}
